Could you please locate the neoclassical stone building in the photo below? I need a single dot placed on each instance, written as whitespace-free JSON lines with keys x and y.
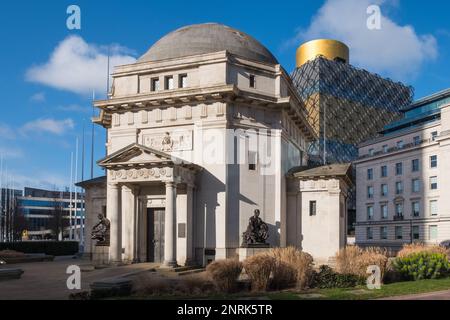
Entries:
{"x":202,"y":130}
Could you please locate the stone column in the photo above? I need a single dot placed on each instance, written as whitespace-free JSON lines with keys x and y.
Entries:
{"x":170,"y":226}
{"x":190,"y":224}
{"x":128,"y":209}
{"x":115,"y":217}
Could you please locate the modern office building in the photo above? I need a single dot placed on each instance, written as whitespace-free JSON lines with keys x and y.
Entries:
{"x":47,"y":211}
{"x":403,"y":178}
{"x":8,"y":201}
{"x":345,"y":105}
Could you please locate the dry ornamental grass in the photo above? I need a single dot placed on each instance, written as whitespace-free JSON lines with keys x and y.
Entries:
{"x":259,"y":269}
{"x":409,"y":249}
{"x":224,"y":274}
{"x":355,"y":260}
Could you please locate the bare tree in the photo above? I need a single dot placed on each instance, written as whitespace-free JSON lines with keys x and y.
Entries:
{"x":58,"y":222}
{"x":19,"y":224}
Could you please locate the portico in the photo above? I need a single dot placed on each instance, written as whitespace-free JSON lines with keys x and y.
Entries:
{"x":145,"y":186}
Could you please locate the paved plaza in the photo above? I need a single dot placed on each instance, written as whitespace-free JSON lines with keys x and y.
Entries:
{"x":47,"y":280}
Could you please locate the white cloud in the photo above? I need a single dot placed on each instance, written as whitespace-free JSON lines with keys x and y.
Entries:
{"x":38,"y":97}
{"x":75,"y":108}
{"x":53,"y":126}
{"x":394,"y":50}
{"x":78,"y":66}
{"x":10,"y":152}
{"x":43,"y":180}
{"x":6,"y":132}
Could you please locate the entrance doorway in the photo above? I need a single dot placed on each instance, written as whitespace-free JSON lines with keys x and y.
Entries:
{"x":155,"y":238}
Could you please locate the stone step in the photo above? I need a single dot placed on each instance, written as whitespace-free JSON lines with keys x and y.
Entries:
{"x":9,"y":274}
{"x":189,"y":272}
{"x":185,"y":270}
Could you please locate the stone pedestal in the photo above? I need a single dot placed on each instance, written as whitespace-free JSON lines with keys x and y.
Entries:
{"x":100,"y":256}
{"x":249,"y":251}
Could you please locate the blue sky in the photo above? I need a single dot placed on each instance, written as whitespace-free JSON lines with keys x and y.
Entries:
{"x":48,"y":70}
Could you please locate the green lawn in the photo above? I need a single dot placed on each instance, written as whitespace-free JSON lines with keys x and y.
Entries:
{"x":362,"y":293}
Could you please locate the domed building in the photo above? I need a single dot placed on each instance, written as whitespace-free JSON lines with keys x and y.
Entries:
{"x":203,"y":130}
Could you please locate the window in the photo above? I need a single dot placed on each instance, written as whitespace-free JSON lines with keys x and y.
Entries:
{"x":415,"y":232}
{"x":182,"y":81}
{"x":384,"y":171}
{"x":433,"y":162}
{"x":399,"y":210}
{"x":415,"y":205}
{"x":416,"y":140}
{"x":385,"y":148}
{"x":433,"y":232}
{"x":155,"y":84}
{"x":369,"y":233}
{"x":168,"y":82}
{"x":415,"y":165}
{"x":399,"y":169}
{"x":370,"y":213}
{"x":369,"y":174}
{"x":384,"y":190}
{"x":399,"y":187}
{"x":434,"y":135}
{"x":433,"y":208}
{"x":252,"y":160}
{"x":415,"y":185}
{"x":252,"y":81}
{"x":383,"y":233}
{"x":400,"y":144}
{"x":433,"y":183}
{"x":398,"y":232}
{"x":370,"y":192}
{"x":371,"y":152}
{"x":312,"y":208}
{"x":384,"y":211}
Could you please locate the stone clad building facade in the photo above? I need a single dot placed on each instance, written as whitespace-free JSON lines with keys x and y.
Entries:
{"x":202,"y":130}
{"x":403,"y":188}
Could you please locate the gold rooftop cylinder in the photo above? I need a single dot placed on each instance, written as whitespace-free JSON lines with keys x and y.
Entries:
{"x":330,"y":49}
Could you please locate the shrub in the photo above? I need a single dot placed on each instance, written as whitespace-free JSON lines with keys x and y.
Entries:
{"x":355,"y":260}
{"x":195,"y":284}
{"x":327,"y":278}
{"x":11,"y":254}
{"x":224,"y":274}
{"x":292,"y":266}
{"x":409,"y":249}
{"x":259,"y":268}
{"x":53,"y":248}
{"x":151,"y":284}
{"x":422,"y":265}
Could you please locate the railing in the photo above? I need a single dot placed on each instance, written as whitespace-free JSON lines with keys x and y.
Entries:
{"x":394,"y":149}
{"x":399,"y":218}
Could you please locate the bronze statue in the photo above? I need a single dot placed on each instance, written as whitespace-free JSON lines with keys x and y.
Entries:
{"x":257,"y":231}
{"x":100,"y":231}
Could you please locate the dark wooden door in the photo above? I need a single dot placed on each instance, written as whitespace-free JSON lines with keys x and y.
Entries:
{"x":155,"y":239}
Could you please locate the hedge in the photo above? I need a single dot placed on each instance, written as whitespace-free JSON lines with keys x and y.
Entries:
{"x":52,"y":248}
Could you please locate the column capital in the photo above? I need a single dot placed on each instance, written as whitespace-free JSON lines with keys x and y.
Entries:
{"x":190,"y":185}
{"x":170,"y":184}
{"x":113,"y":185}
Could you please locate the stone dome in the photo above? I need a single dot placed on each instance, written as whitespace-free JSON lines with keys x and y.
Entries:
{"x":207,"y":38}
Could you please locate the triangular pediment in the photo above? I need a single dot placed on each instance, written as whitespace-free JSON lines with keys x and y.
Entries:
{"x":136,"y":154}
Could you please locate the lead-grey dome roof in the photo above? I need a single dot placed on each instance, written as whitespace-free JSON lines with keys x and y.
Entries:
{"x":207,"y":38}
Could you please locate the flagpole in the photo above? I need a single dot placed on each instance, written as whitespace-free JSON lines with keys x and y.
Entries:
{"x":2,"y":226}
{"x":70,"y":190}
{"x":92,"y":136}
{"x":76,"y":191}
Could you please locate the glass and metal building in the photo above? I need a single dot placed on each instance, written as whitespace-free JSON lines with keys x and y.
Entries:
{"x":345,"y":105}
{"x":46,"y":211}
